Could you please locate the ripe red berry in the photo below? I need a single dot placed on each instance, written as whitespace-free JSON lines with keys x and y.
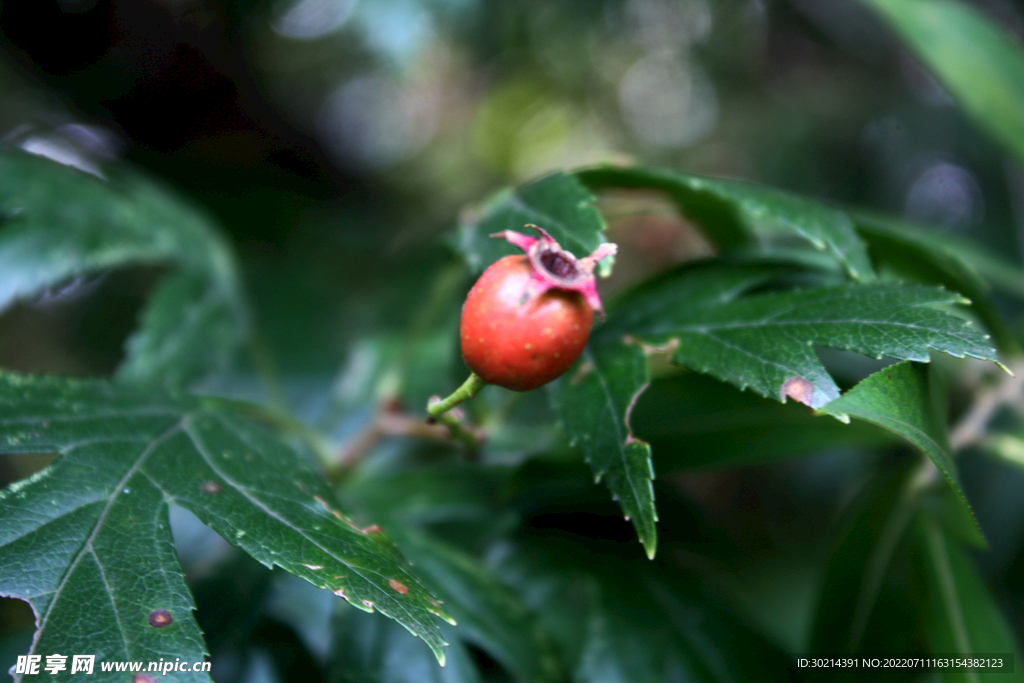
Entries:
{"x":528,"y":317}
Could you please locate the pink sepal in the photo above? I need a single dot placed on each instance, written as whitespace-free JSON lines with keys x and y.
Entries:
{"x":575,"y":274}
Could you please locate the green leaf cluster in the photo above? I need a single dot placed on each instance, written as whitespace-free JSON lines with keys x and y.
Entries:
{"x":485,"y":536}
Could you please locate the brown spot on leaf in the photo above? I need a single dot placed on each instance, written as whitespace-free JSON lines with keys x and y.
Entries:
{"x":398,"y":586}
{"x":341,"y":594}
{"x":798,"y":389}
{"x":373,"y":529}
{"x":143,"y":678}
{"x":210,"y":487}
{"x":313,"y":567}
{"x":159,"y":618}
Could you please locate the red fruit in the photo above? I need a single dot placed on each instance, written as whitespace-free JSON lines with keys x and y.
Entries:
{"x":527,"y":319}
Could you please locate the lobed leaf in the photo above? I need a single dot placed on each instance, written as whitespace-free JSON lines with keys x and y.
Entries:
{"x":187,"y":330}
{"x":92,"y":529}
{"x":763,"y":341}
{"x":593,"y":401}
{"x":980,"y":63}
{"x":57,"y":223}
{"x":490,"y":615}
{"x":926,"y":257}
{"x":731,"y":211}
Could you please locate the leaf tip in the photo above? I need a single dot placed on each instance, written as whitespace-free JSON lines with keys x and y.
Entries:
{"x":842,"y":417}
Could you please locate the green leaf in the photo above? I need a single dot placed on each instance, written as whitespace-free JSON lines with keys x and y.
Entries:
{"x":764,"y":341}
{"x":962,"y":616}
{"x":489,"y":614}
{"x":730,"y":211}
{"x":993,"y":269}
{"x":980,"y":63}
{"x":91,"y":529}
{"x":920,"y":255}
{"x":694,"y":421}
{"x":188,"y":330}
{"x":677,"y":293}
{"x":858,"y":566}
{"x":639,"y":623}
{"x":593,"y":401}
{"x":999,"y":273}
{"x":633,"y":636}
{"x":559,"y":203}
{"x":901,"y":398}
{"x":368,"y":649}
{"x":57,"y":223}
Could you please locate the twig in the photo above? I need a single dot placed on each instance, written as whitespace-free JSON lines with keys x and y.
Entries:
{"x":971,"y":427}
{"x":390,"y":422}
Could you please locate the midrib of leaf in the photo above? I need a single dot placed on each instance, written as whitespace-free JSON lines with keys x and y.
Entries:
{"x":623,"y":446}
{"x":199,"y":445}
{"x":885,"y":419}
{"x":612,"y":408}
{"x":700,"y":645}
{"x":611,"y":449}
{"x":91,"y":415}
{"x":769,"y":321}
{"x":87,"y":547}
{"x":878,"y":563}
{"x":743,"y":350}
{"x":193,"y":319}
{"x":947,"y":585}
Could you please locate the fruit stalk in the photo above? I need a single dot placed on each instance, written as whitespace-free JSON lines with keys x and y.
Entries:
{"x":468,"y":390}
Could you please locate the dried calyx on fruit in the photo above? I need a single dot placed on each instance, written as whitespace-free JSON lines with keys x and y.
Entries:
{"x":556,"y":268}
{"x":528,"y":317}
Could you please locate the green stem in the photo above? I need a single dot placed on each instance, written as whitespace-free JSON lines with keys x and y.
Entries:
{"x":468,"y":390}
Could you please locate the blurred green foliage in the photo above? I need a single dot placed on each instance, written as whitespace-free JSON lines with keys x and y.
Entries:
{"x":341,"y":143}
